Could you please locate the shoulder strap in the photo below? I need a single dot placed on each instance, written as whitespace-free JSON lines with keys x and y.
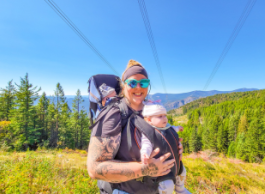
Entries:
{"x":125,"y":113}
{"x":144,"y":128}
{"x":103,"y":112}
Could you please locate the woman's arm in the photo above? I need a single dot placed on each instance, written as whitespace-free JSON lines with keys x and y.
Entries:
{"x":101,"y":164}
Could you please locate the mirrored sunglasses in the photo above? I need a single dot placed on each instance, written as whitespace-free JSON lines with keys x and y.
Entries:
{"x":144,"y":83}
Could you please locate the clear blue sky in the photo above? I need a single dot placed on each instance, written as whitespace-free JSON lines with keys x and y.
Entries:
{"x":189,"y":35}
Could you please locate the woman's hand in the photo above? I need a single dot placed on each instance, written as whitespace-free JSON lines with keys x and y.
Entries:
{"x":159,"y":166}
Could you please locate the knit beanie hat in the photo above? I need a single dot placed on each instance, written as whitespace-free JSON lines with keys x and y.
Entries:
{"x":152,"y":108}
{"x":105,"y":90}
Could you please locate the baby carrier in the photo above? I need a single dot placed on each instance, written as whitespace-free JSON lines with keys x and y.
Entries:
{"x":133,"y":125}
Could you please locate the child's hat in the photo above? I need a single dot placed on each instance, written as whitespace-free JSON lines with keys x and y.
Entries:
{"x":105,"y":90}
{"x":152,"y":108}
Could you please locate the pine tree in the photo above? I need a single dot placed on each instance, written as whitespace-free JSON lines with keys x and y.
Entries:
{"x":59,"y":101}
{"x":221,"y":139}
{"x":7,"y":101}
{"x":232,"y":128}
{"x":252,"y":142}
{"x":240,"y":146}
{"x":84,"y":130}
{"x":66,"y":132}
{"x":194,"y":142}
{"x":243,"y":124}
{"x":77,"y":103}
{"x":51,"y":123}
{"x":25,"y":96}
{"x":213,"y":132}
{"x":42,"y":112}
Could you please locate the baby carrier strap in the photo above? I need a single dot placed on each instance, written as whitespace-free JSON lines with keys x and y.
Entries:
{"x":104,"y":111}
{"x":144,"y":128}
{"x":124,"y":111}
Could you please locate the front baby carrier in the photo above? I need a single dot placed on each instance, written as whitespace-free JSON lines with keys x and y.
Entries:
{"x":133,"y":126}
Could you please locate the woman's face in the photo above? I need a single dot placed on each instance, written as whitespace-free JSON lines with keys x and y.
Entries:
{"x":136,"y":95}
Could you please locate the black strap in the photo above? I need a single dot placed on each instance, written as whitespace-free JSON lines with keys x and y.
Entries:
{"x":103,"y":112}
{"x":180,"y":169}
{"x":144,"y":128}
{"x":124,"y":110}
{"x":90,"y":116}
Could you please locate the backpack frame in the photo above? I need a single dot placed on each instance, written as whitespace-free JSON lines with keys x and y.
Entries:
{"x":95,"y":96}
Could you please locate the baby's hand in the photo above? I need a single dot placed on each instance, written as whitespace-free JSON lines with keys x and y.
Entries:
{"x":178,"y":128}
{"x":145,"y":158}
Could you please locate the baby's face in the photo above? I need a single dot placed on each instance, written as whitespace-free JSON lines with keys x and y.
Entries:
{"x":107,"y":97}
{"x":159,"y":120}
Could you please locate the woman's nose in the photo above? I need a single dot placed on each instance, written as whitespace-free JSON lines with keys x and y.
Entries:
{"x":138,"y":85}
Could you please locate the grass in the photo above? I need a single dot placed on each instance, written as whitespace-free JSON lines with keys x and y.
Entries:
{"x":181,"y":119}
{"x":223,"y":175}
{"x":65,"y":172}
{"x":44,"y":172}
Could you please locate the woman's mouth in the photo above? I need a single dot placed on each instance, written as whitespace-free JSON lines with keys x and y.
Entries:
{"x":138,"y":94}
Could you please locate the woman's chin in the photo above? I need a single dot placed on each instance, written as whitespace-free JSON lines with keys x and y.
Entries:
{"x":138,"y":101}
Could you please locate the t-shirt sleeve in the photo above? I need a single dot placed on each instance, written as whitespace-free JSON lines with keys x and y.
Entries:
{"x":109,"y":125}
{"x":147,"y":147}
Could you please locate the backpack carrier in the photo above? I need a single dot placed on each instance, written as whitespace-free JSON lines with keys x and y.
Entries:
{"x":95,"y":97}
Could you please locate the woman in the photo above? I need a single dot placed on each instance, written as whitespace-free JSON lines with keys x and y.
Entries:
{"x":107,"y":143}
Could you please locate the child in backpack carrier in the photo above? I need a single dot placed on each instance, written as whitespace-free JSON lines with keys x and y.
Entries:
{"x":107,"y":93}
{"x":154,"y":114}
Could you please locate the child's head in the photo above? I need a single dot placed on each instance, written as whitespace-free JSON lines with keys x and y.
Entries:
{"x":106,"y":92}
{"x":155,"y":114}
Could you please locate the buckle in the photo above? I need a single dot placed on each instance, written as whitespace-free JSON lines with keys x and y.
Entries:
{"x":141,"y":179}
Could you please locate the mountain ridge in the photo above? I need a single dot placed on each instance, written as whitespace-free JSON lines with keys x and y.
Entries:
{"x":170,"y":101}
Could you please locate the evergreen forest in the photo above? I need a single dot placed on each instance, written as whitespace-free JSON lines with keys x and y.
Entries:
{"x":49,"y":123}
{"x":233,"y":124}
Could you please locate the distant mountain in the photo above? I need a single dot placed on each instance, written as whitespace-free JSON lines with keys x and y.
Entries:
{"x":170,"y":101}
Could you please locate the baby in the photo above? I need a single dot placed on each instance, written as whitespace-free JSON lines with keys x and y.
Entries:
{"x":107,"y":92}
{"x":156,"y":115}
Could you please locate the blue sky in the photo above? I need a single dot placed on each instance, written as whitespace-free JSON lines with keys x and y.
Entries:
{"x":189,"y":36}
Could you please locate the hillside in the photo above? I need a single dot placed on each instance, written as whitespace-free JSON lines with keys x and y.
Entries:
{"x":172,"y":101}
{"x":210,"y":100}
{"x":233,"y":124}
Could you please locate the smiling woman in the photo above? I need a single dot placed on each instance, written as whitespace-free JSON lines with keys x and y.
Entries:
{"x":111,"y":159}
{"x":135,"y":93}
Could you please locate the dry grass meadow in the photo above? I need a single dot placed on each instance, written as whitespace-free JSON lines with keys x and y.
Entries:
{"x":64,"y":171}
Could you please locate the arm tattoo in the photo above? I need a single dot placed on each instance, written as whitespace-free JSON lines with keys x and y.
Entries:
{"x":103,"y":149}
{"x":149,"y":170}
{"x":101,"y":154}
{"x":109,"y":168}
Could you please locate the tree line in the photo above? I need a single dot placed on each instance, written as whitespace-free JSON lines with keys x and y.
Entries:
{"x":233,"y":124}
{"x":49,"y":123}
